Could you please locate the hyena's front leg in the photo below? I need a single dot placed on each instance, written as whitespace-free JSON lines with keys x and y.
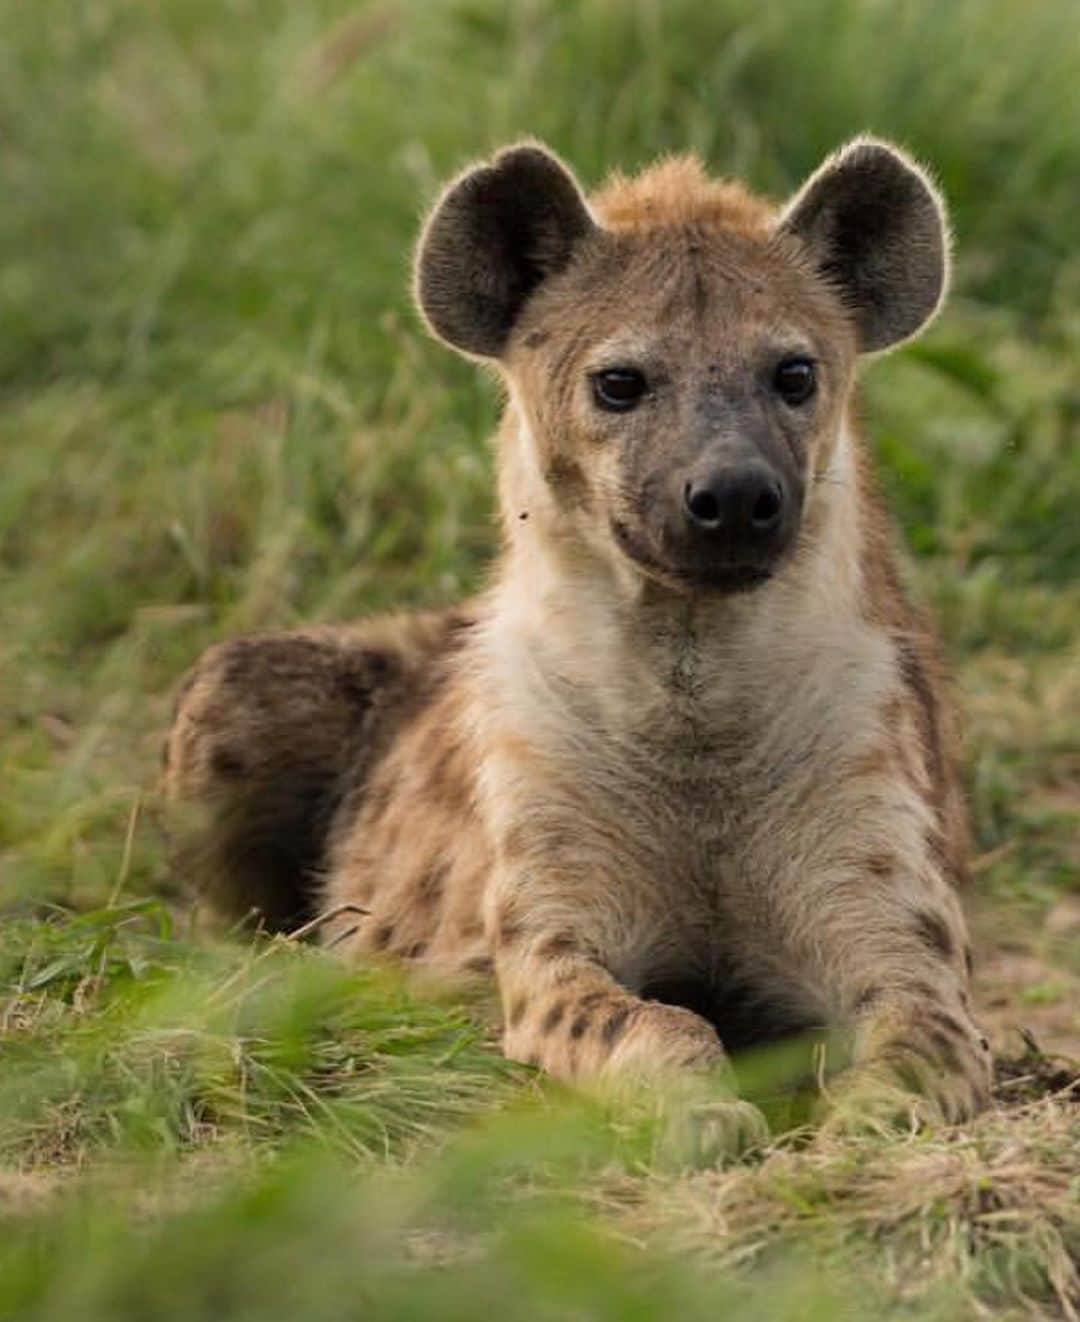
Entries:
{"x":920,"y":1041}
{"x":565,"y":1013}
{"x":556,"y":941}
{"x":903,"y":985}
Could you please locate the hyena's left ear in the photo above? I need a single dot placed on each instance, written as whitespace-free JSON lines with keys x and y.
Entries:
{"x":495,"y":234}
{"x":875,"y":227}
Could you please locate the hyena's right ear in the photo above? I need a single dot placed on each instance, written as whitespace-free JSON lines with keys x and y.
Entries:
{"x":493,"y":236}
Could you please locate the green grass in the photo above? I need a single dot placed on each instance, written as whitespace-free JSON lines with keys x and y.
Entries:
{"x":218,"y":413}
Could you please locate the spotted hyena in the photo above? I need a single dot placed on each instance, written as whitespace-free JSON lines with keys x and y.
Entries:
{"x":682,"y":777}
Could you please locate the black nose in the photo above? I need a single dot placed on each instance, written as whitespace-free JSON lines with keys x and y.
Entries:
{"x":743,"y":505}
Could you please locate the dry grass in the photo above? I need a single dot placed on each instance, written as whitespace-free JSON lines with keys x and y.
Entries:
{"x":989,"y":1213}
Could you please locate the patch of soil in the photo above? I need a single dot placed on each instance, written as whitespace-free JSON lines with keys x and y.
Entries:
{"x":1025,"y":987}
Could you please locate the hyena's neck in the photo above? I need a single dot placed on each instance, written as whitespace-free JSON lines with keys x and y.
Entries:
{"x":572,"y":624}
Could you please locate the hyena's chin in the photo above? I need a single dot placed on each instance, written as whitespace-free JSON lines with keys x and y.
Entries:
{"x":716,"y":576}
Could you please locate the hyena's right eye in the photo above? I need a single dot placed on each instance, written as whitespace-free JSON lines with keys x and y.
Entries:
{"x":619,"y":389}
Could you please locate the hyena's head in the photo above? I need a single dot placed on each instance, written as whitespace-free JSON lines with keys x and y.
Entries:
{"x":679,"y":354}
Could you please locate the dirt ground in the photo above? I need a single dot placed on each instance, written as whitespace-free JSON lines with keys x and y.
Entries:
{"x":1027,"y":981}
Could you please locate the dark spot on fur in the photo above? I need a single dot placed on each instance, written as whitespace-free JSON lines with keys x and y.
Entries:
{"x":947,"y":1022}
{"x":458,"y":628}
{"x":933,"y":932}
{"x":580,"y":1024}
{"x":567,"y":480}
{"x":508,"y":922}
{"x":416,"y":950}
{"x":866,"y":998}
{"x":935,"y":847}
{"x":873,"y":763}
{"x":969,"y":961}
{"x":558,"y":943}
{"x":429,"y":888}
{"x":917,"y":1048}
{"x":917,"y":681}
{"x":881,"y":865}
{"x":562,"y":471}
{"x":381,"y":665}
{"x":471,"y":929}
{"x":516,"y":1011}
{"x":508,"y":931}
{"x":445,"y":779}
{"x":553,"y":1017}
{"x":536,"y":338}
{"x":354,"y":691}
{"x":382,"y":936}
{"x":946,"y":1048}
{"x":984,"y":1043}
{"x":909,"y":1060}
{"x":523,"y":515}
{"x":615,"y":1024}
{"x":479,"y":964}
{"x":227,"y":763}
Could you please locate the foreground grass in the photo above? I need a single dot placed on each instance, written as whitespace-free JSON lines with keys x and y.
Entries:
{"x":279,"y":1132}
{"x":219,"y":414}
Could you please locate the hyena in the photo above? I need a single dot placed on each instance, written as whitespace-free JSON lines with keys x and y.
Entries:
{"x":682,"y":777}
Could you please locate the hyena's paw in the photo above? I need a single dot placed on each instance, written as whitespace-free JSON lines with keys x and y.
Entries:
{"x":883,"y":1100}
{"x":865,"y":1106}
{"x":920,"y":1064}
{"x":706,"y":1132}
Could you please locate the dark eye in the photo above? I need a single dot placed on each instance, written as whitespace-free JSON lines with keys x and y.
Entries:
{"x":619,"y":389}
{"x":795,"y":380}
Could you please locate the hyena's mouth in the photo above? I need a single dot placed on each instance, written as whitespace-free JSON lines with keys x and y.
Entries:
{"x":683,"y":577}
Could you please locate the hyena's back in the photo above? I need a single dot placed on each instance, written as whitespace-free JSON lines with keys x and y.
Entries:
{"x":270,"y":734}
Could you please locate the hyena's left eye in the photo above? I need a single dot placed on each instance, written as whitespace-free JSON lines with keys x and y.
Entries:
{"x":795,"y":380}
{"x":619,"y":389}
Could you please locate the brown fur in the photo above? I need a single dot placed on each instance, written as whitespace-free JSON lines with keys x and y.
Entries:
{"x":671,"y":812}
{"x":677,"y":192}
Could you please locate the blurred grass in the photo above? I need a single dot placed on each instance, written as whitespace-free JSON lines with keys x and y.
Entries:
{"x":218,"y":413}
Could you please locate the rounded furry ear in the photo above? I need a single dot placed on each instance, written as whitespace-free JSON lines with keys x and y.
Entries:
{"x":875,"y":227}
{"x":493,"y":236}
